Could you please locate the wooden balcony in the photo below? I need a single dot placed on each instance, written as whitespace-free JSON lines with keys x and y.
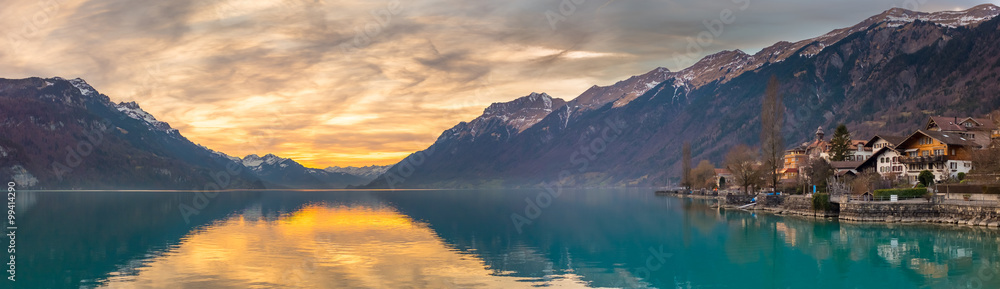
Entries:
{"x":923,"y":160}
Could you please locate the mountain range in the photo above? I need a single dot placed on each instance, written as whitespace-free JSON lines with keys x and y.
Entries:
{"x":885,"y":74}
{"x":60,"y":133}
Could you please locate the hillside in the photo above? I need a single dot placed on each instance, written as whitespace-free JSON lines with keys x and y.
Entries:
{"x":883,"y":75}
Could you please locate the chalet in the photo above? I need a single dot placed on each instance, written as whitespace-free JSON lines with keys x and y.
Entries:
{"x":860,"y":152}
{"x":885,"y":159}
{"x":943,"y":153}
{"x":978,"y":130}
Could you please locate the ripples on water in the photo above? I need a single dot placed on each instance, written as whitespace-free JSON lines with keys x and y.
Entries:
{"x":466,"y":239}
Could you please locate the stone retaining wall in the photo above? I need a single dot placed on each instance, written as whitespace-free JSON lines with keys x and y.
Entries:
{"x":969,"y":215}
{"x":920,"y":212}
{"x":738,"y":200}
{"x":888,"y":212}
{"x":797,"y":205}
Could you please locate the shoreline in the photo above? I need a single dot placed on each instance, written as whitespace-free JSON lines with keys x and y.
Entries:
{"x":862,"y":212}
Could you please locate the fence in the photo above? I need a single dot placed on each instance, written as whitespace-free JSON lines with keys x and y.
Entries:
{"x":872,"y":198}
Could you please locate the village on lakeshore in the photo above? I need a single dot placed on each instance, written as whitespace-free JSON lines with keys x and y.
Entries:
{"x":945,"y":171}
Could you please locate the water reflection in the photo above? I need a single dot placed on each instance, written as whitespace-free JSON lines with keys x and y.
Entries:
{"x":320,"y":246}
{"x":465,"y":239}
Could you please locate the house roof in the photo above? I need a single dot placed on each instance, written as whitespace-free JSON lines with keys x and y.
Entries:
{"x":843,"y":173}
{"x":723,"y":172}
{"x":950,"y":123}
{"x":895,"y":140}
{"x":845,"y":164}
{"x":871,"y":162}
{"x":985,"y":123}
{"x":800,"y":148}
{"x":945,"y":137}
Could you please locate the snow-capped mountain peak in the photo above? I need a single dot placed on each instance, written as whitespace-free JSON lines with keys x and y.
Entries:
{"x":898,"y":16}
{"x":256,"y":162}
{"x":82,"y":85}
{"x":369,"y":172}
{"x":621,"y":92}
{"x":132,"y":110}
{"x":523,"y":112}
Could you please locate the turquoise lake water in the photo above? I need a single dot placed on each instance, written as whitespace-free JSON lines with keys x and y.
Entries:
{"x":472,"y":239}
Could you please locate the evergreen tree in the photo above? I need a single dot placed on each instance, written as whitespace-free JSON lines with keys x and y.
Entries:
{"x":840,"y":145}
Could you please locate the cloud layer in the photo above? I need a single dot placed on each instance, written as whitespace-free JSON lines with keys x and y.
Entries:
{"x":368,"y":82}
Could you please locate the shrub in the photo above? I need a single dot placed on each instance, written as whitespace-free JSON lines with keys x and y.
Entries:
{"x":926,"y":178}
{"x":821,"y":201}
{"x":902,"y":193}
{"x":961,"y":177}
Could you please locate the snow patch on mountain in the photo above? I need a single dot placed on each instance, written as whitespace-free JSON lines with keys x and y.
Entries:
{"x":256,"y":163}
{"x":370,"y":172}
{"x":953,"y":19}
{"x":132,"y":110}
{"x":520,"y":113}
{"x":82,"y":85}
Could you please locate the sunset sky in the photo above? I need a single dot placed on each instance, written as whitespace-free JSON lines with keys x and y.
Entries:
{"x":368,"y":82}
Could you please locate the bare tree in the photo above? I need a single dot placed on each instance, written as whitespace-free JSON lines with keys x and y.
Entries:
{"x":818,"y":172}
{"x":772,"y":119}
{"x":742,"y":163}
{"x":703,"y":176}
{"x":686,"y":165}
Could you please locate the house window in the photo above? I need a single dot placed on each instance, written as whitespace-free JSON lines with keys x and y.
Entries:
{"x":894,"y":159}
{"x":954,"y":166}
{"x":952,"y":151}
{"x":925,"y":153}
{"x":939,"y":152}
{"x":913,"y":154}
{"x":968,"y":124}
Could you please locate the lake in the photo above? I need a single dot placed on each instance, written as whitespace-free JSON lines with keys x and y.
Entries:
{"x":472,"y":239}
